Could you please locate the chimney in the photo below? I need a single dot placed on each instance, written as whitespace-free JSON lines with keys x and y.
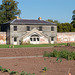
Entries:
{"x":39,"y":18}
{"x":18,"y":17}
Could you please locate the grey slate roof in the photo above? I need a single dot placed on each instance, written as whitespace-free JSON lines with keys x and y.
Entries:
{"x":24,"y":21}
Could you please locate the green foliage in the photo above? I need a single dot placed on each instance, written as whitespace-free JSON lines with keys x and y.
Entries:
{"x":73,"y":23}
{"x":1,"y":68}
{"x":6,"y":70}
{"x":45,"y":69}
{"x":14,"y":72}
{"x":46,"y":54}
{"x":23,"y":73}
{"x":69,"y":55}
{"x":53,"y":21}
{"x":65,"y":27}
{"x":8,"y":10}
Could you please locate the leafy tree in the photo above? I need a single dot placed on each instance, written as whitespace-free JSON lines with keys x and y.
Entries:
{"x":66,"y":27}
{"x":8,"y":10}
{"x":73,"y":17}
{"x":53,"y":21}
{"x":63,"y":27}
{"x":49,"y":20}
{"x":73,"y":23}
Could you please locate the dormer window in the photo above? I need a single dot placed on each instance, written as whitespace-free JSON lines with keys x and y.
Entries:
{"x":52,"y":28}
{"x":40,"y":28}
{"x":28,"y":28}
{"x":15,"y":28}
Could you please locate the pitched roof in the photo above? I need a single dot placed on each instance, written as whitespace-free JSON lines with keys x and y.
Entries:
{"x":25,"y":21}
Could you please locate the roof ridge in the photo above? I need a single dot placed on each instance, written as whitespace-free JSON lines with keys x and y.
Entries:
{"x":12,"y":21}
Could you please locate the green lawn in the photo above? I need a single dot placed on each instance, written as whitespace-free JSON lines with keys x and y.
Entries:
{"x":37,"y":45}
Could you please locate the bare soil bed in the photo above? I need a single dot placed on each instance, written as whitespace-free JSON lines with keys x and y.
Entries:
{"x":10,"y":52}
{"x":36,"y":64}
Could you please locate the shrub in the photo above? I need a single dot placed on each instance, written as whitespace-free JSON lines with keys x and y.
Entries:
{"x":69,"y":55}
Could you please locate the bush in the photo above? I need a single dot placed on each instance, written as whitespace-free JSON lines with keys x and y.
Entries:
{"x":69,"y":55}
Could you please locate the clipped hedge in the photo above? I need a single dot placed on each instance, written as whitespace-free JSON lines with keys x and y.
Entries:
{"x":69,"y":55}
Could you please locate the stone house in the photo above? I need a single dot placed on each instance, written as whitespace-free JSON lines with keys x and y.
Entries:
{"x":30,"y":31}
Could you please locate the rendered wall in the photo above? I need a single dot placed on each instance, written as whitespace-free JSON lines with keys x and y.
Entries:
{"x":66,"y":37}
{"x":2,"y":37}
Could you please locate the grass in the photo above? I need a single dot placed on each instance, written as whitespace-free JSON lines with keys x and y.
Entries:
{"x":36,"y":45}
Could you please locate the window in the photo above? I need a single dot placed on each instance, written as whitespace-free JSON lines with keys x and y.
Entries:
{"x":15,"y":28}
{"x":40,"y":28}
{"x":30,"y":39}
{"x":37,"y":39}
{"x":15,"y":39}
{"x":34,"y":39}
{"x":28,"y":28}
{"x":52,"y":38}
{"x":52,"y":28}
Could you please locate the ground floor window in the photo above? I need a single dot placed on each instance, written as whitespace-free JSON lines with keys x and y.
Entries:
{"x":34,"y":38}
{"x":15,"y":39}
{"x":52,"y":38}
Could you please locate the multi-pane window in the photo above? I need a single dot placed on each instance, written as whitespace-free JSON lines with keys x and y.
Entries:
{"x":15,"y":39}
{"x":15,"y":28}
{"x":34,"y":38}
{"x":52,"y":28}
{"x":40,"y":28}
{"x":28,"y":28}
{"x":52,"y":38}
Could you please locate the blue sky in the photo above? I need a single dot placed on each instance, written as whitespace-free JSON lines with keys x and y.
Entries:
{"x":60,"y":10}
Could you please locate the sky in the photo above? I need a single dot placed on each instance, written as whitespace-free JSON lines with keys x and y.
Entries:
{"x":60,"y":10}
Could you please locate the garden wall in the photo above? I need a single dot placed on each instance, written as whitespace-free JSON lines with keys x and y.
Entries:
{"x":66,"y":37}
{"x":63,"y":37}
{"x":2,"y":37}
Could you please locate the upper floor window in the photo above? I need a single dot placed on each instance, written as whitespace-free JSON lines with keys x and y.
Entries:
{"x":15,"y":28}
{"x":28,"y":28}
{"x":40,"y":28}
{"x":52,"y":28}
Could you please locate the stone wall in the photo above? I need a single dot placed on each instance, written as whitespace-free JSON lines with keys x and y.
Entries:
{"x":2,"y":37}
{"x":66,"y":37}
{"x":63,"y":37}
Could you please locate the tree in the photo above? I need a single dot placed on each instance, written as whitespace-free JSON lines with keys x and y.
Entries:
{"x":65,"y":27}
{"x":73,"y":17}
{"x":8,"y":10}
{"x":73,"y":23}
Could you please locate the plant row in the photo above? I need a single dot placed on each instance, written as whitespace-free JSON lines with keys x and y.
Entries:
{"x":69,"y":55}
{"x":14,"y":72}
